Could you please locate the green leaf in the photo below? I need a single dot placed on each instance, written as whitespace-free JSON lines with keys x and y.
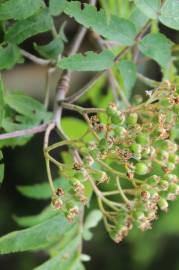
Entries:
{"x":36,"y":237}
{"x":1,"y":173}
{"x":25,"y":105}
{"x":61,"y":262}
{"x":29,"y":221}
{"x":92,"y":221}
{"x":117,"y":29}
{"x":9,"y":56}
{"x":138,"y":18}
{"x":52,"y":49}
{"x":157,"y":47}
{"x":128,"y":74}
{"x":56,"y":7}
{"x":88,"y":62}
{"x":74,"y":127}
{"x":19,"y":9}
{"x":24,"y":29}
{"x":38,"y":191}
{"x":150,"y":8}
{"x":170,"y":14}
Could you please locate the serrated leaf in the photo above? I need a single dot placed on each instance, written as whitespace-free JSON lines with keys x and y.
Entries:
{"x":25,"y":105}
{"x":52,"y":49}
{"x":128,"y":74}
{"x":56,"y":7}
{"x":24,"y":29}
{"x":29,"y":221}
{"x":150,"y":8}
{"x":158,"y":47}
{"x":36,"y":237}
{"x":62,"y":262}
{"x":19,"y":9}
{"x":89,"y":62}
{"x":38,"y":191}
{"x":116,"y":29}
{"x":170,"y":14}
{"x":9,"y":56}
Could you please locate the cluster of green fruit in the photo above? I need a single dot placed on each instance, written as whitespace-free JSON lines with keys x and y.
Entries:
{"x":138,"y":148}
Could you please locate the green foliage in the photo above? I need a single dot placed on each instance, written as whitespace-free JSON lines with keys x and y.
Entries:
{"x":37,"y":191}
{"x":56,"y":7}
{"x":9,"y":56}
{"x":51,"y":50}
{"x":88,"y":62}
{"x":36,"y":237}
{"x":150,"y":7}
{"x":118,"y":29}
{"x":29,"y":27}
{"x":126,"y":152}
{"x":157,"y":47}
{"x":128,"y":74}
{"x":170,"y":14}
{"x":19,"y":9}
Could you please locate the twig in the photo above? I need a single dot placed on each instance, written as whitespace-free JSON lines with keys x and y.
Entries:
{"x":24,"y":132}
{"x":147,"y":81}
{"x":35,"y":59}
{"x":84,"y":89}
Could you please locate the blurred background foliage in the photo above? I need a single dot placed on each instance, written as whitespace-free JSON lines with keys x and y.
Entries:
{"x":155,"y":249}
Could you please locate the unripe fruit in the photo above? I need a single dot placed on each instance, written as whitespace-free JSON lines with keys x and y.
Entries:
{"x":117,"y":118}
{"x":142,"y":139}
{"x":132,"y":119}
{"x":141,"y":168}
{"x":163,"y":204}
{"x":163,"y":184}
{"x":173,"y":158}
{"x":111,"y":109}
{"x":136,"y":148}
{"x":120,"y":132}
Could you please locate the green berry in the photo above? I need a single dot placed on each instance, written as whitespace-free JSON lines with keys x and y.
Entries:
{"x":141,"y":168}
{"x":111,"y":109}
{"x":117,"y":118}
{"x":120,"y":132}
{"x":132,"y":119}
{"x":173,"y":158}
{"x":142,"y":139}
{"x":163,"y":204}
{"x":136,"y":148}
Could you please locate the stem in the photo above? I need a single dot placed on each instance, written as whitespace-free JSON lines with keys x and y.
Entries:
{"x":90,"y":126}
{"x":35,"y":59}
{"x":24,"y":132}
{"x":121,"y":191}
{"x":147,"y":81}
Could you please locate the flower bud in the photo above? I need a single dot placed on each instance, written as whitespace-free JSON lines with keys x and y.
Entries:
{"x":57,"y":203}
{"x":163,"y":185}
{"x":121,"y":132}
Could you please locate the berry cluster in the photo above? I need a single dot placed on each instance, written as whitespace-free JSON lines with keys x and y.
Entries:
{"x":131,"y":162}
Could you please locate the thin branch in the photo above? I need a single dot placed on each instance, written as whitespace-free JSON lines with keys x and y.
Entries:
{"x":147,"y":81}
{"x":34,"y":58}
{"x":24,"y":132}
{"x":84,"y":89}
